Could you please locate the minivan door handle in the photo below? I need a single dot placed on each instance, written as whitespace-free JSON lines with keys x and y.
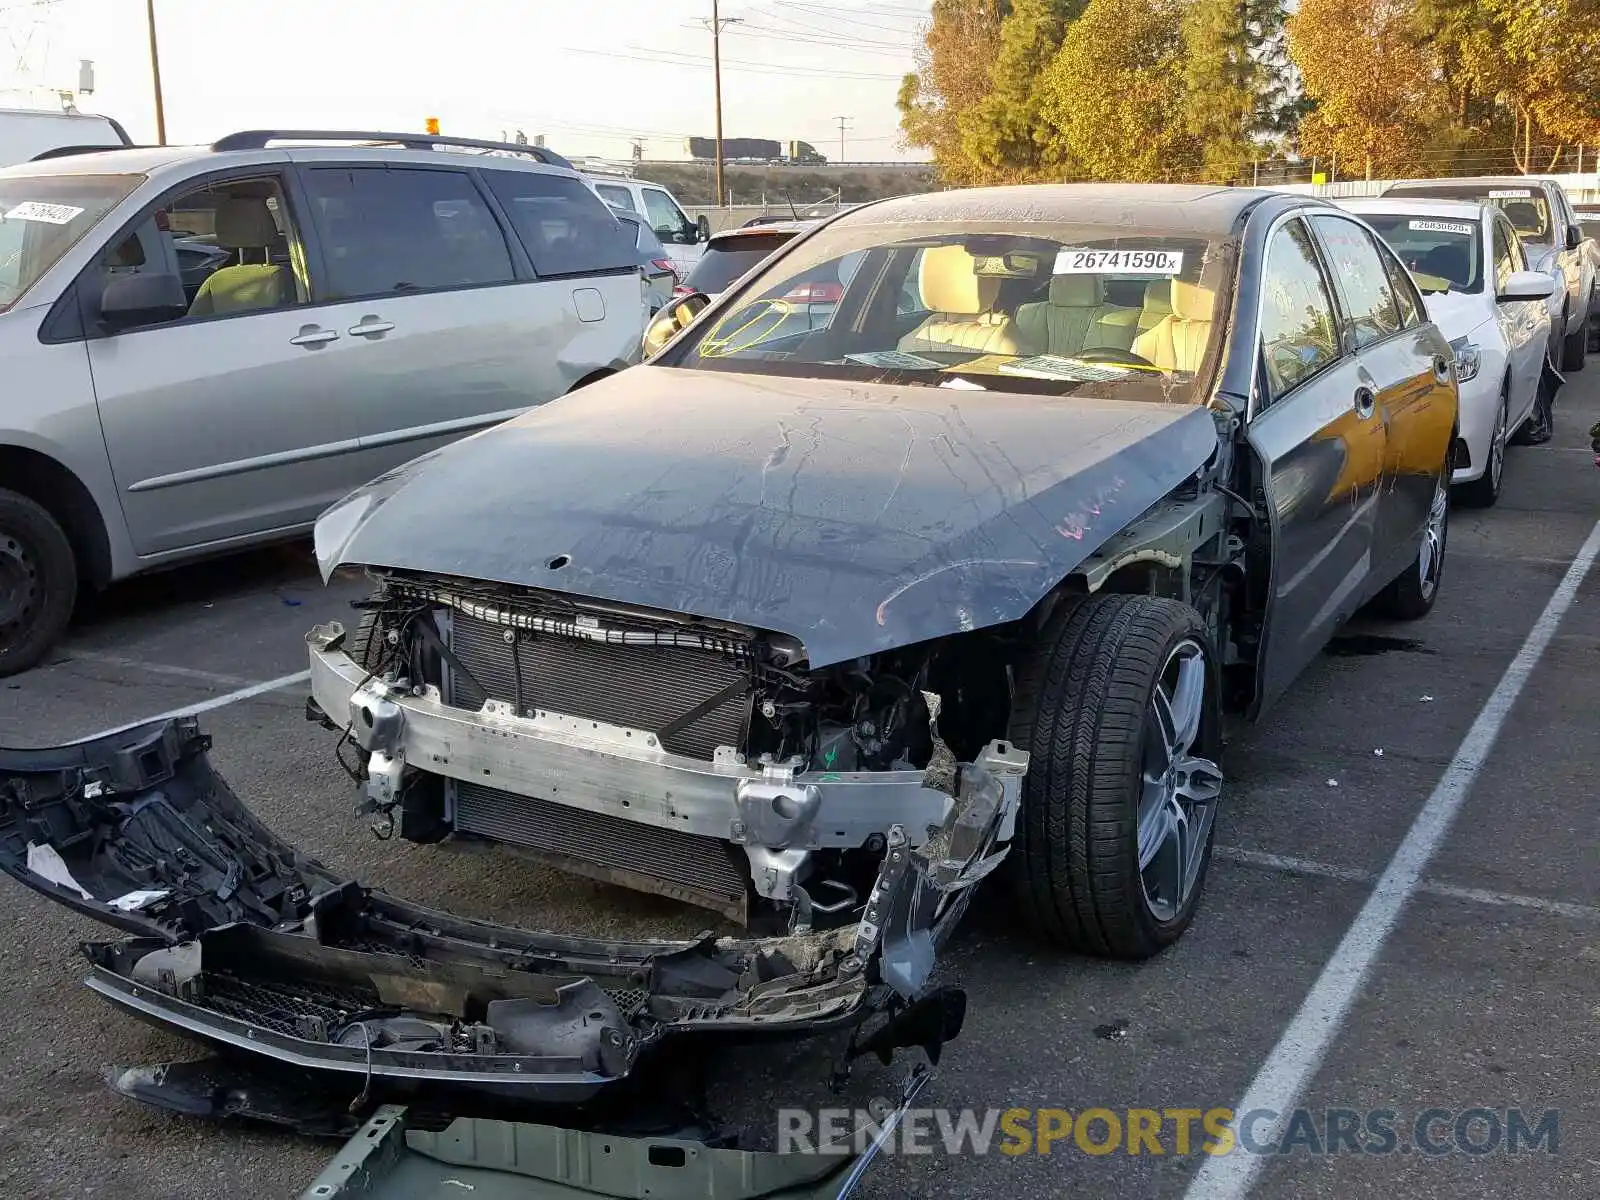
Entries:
{"x":371,"y":327}
{"x":1366,"y":402}
{"x":313,"y":335}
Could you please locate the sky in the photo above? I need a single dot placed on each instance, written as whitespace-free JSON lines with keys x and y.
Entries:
{"x":588,"y":75}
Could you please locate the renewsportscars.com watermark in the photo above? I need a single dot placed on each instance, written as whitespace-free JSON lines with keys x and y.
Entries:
{"x":1172,"y":1131}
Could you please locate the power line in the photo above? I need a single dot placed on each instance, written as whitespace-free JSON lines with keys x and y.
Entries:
{"x":698,"y":60}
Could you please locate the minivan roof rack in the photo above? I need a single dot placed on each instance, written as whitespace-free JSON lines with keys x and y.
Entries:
{"x":257,"y":139}
{"x":66,"y":151}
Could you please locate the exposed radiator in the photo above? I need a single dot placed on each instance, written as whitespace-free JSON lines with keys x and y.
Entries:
{"x":643,"y":687}
{"x":697,"y":870}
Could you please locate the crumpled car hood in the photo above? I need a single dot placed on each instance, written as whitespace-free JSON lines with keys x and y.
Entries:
{"x":854,"y":517}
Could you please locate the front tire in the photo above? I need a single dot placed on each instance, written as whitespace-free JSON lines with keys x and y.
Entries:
{"x":1483,"y":491}
{"x":1411,"y":596}
{"x":38,"y":582}
{"x":1118,"y":706}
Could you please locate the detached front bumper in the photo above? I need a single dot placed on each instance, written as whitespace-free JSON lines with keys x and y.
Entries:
{"x":776,"y":815}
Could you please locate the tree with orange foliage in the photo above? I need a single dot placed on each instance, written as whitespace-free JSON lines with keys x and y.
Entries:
{"x":1376,"y":86}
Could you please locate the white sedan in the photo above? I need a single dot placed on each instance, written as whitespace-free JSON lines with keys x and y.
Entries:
{"x":1470,"y":267}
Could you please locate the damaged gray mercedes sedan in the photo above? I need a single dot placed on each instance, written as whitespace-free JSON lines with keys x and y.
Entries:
{"x":816,"y":625}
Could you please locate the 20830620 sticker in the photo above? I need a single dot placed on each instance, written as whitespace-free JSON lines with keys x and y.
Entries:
{"x":38,"y":210}
{"x":1460,"y":227}
{"x":1119,"y":262}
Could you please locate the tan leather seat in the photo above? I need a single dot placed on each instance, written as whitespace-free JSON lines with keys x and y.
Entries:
{"x":1179,"y":340}
{"x":1157,"y":304}
{"x":962,"y":304}
{"x":1075,"y":318}
{"x":245,"y":224}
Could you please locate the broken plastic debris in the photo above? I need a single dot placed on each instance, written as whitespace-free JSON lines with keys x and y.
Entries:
{"x":141,"y":898}
{"x":1379,"y":751}
{"x":1427,"y":699}
{"x":1333,"y":783}
{"x":44,"y":862}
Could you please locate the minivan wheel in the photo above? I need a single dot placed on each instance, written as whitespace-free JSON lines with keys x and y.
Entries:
{"x":1411,"y":595}
{"x":38,"y":582}
{"x":1118,"y":707}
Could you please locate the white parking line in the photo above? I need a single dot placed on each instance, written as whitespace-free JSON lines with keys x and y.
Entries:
{"x":189,"y":710}
{"x":1300,"y":1050}
{"x":1450,"y":891}
{"x":155,"y":668}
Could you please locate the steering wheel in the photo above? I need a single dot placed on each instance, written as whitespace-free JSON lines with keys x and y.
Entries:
{"x":1110,"y":354}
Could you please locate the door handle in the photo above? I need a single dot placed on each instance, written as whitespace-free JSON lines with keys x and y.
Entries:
{"x":313,"y":335}
{"x":370,"y":327}
{"x":1366,"y":402}
{"x":1441,"y":368}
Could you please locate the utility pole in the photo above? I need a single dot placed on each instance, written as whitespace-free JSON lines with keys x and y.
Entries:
{"x":716,"y":25}
{"x":841,"y":121}
{"x":155,"y":74}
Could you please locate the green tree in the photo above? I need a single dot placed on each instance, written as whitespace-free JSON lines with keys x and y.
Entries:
{"x":1009,"y":137}
{"x":1239,"y":85}
{"x":1111,"y":91}
{"x":942,"y":97}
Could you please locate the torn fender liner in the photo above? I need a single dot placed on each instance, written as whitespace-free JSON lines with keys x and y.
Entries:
{"x":241,"y":942}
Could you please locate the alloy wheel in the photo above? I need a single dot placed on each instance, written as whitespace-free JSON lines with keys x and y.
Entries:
{"x":1430,"y":561}
{"x":1497,"y":447}
{"x":1178,"y":798}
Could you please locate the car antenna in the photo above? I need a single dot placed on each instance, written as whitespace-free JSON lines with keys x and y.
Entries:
{"x":792,"y":212}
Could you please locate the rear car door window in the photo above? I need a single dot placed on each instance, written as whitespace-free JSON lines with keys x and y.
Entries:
{"x":620,"y":197}
{"x":1357,"y":264}
{"x":1299,"y":330}
{"x":395,"y":231}
{"x":1406,"y":298}
{"x":563,"y":226}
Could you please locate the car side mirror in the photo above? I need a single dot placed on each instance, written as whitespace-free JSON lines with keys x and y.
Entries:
{"x":678,"y":314}
{"x":1574,"y":237}
{"x":1526,"y":285}
{"x":702,"y":229}
{"x":142,"y":299}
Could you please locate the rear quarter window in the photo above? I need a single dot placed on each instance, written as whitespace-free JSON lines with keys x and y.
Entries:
{"x":565,"y":227}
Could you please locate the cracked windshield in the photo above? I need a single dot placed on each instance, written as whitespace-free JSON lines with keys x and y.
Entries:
{"x":1060,"y":309}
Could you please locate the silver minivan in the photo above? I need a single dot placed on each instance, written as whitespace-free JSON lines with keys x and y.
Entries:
{"x":205,"y":347}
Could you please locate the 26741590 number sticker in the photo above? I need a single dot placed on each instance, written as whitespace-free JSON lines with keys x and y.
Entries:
{"x":1119,"y":262}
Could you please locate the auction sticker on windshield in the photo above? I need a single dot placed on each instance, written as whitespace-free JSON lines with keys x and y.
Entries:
{"x":1511,"y":194}
{"x":38,"y":210}
{"x":1122,"y":262}
{"x":1444,"y":227}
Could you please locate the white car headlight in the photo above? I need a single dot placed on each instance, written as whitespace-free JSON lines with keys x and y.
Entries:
{"x":1469,"y":358}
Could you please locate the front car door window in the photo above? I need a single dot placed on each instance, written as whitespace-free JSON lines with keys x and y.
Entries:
{"x":1299,"y":330}
{"x":666,"y":218}
{"x":398,"y":231}
{"x":1503,"y":264}
{"x":1357,"y":264}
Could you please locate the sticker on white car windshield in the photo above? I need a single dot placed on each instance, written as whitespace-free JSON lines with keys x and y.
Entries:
{"x":1511,"y":194}
{"x":38,"y":210}
{"x":1120,"y":262}
{"x":1057,"y":366}
{"x":1444,"y":227}
{"x":894,"y":360}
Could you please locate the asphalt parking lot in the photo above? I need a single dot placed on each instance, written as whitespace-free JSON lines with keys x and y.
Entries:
{"x":1483,"y":990}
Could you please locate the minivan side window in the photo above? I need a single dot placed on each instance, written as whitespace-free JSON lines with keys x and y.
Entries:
{"x":395,"y":231}
{"x":1357,"y":263}
{"x":564,"y":227}
{"x":1299,"y":331}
